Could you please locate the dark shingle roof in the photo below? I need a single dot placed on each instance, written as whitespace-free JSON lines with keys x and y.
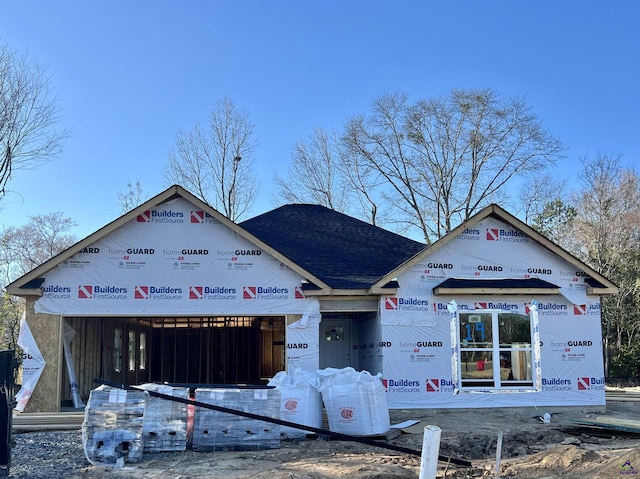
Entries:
{"x":342,"y":251}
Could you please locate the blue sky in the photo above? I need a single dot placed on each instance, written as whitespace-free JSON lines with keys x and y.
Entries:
{"x":130,"y":74}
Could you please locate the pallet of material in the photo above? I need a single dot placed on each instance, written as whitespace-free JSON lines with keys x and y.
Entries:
{"x":165,"y":421}
{"x":220,"y":431}
{"x":112,"y":426}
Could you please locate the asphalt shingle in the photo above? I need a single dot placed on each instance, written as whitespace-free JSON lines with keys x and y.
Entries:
{"x":342,"y":251}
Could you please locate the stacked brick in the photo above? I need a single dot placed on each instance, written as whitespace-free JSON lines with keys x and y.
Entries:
{"x":219,"y":431}
{"x":165,"y":421}
{"x":112,"y":426}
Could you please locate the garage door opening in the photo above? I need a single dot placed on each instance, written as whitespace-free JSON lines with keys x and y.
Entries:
{"x":195,"y":350}
{"x":218,"y":350}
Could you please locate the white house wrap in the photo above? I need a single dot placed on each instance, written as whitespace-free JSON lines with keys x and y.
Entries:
{"x":491,"y":315}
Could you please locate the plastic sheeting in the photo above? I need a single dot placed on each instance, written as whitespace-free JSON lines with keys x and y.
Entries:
{"x":220,"y":431}
{"x":303,"y":343}
{"x":112,"y":426}
{"x":420,"y":339}
{"x":32,"y":365}
{"x":165,"y":422}
{"x":172,"y":260}
{"x":68,"y":334}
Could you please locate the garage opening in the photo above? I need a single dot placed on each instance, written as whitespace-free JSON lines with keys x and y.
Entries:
{"x":218,"y":350}
{"x":195,"y":350}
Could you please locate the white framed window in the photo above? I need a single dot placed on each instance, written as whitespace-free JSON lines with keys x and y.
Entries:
{"x":117,"y":350}
{"x":132,"y":351}
{"x":495,"y":350}
{"x":142,"y":350}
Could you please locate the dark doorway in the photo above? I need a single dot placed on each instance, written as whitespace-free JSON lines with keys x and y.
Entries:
{"x":218,"y":350}
{"x":199,"y":350}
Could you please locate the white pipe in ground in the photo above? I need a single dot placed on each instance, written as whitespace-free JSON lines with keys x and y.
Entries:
{"x":430,"y":452}
{"x":498,"y":451}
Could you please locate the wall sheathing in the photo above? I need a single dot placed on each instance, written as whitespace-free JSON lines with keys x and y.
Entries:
{"x":47,"y":332}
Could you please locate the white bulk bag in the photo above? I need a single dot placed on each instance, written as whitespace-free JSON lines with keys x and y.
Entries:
{"x":355,"y":401}
{"x":301,"y":402}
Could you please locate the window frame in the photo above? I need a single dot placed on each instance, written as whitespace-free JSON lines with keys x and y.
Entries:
{"x":495,"y":350}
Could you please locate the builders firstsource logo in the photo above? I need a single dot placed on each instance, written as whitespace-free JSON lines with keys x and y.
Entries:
{"x":55,"y":291}
{"x":157,"y":293}
{"x":211,"y":292}
{"x":441,"y":308}
{"x":472,"y":234}
{"x":590,"y":384}
{"x":493,"y":305}
{"x":86,"y":291}
{"x":586,"y":310}
{"x":510,"y":235}
{"x":200,"y":217}
{"x":401,"y":385}
{"x":434,"y":385}
{"x":262,"y":293}
{"x":550,"y":309}
{"x":161,"y":216}
{"x":406,"y":304}
{"x":556,"y":384}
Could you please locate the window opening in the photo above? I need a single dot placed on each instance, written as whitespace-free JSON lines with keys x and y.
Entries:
{"x":117,"y":350}
{"x":132,"y":350}
{"x":495,"y":350}
{"x":334,"y":333}
{"x":143,"y":351}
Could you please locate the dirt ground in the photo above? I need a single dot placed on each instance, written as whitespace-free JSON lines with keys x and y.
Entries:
{"x":530,"y":449}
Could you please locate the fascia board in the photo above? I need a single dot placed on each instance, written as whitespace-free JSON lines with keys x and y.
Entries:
{"x":506,"y":291}
{"x":591,"y":291}
{"x":356,"y":293}
{"x":13,"y":291}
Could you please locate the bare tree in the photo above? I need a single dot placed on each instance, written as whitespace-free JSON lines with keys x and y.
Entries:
{"x":11,"y":309}
{"x":24,"y":248}
{"x":606,"y":232}
{"x":544,"y":202}
{"x":536,"y":191}
{"x":323,"y":171}
{"x":367,"y":186}
{"x":132,"y":197}
{"x":28,"y":115}
{"x":608,"y":212}
{"x":216,"y":162}
{"x":443,"y":159}
{"x":315,"y":175}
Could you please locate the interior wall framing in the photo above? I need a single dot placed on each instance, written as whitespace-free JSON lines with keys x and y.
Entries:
{"x":178,"y":350}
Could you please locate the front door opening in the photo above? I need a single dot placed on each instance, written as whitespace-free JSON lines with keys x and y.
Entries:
{"x":335,"y":343}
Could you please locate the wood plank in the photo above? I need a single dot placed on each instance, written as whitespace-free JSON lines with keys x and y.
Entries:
{"x":606,"y":424}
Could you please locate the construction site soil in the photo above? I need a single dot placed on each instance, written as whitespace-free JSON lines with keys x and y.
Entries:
{"x":530,"y":448}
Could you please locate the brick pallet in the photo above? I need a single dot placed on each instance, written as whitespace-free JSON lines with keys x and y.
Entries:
{"x":219,"y":431}
{"x":165,"y":421}
{"x":112,"y":426}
